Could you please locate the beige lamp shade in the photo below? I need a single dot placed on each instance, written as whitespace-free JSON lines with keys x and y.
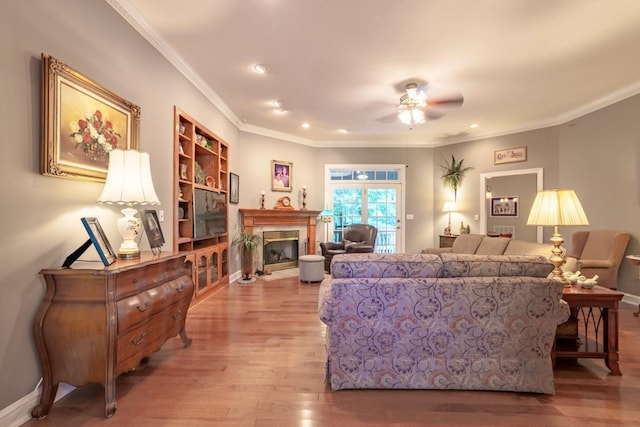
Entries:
{"x":557,"y":207}
{"x":450,"y":207}
{"x":129,"y":179}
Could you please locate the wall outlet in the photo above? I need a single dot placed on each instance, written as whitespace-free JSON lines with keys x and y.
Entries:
{"x":161,"y":216}
{"x":476,"y":217}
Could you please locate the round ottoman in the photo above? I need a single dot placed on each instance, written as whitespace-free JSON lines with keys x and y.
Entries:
{"x":311,"y":268}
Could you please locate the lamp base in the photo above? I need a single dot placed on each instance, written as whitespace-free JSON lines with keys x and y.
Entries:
{"x":557,"y":255}
{"x":128,"y":255}
{"x":129,"y":228}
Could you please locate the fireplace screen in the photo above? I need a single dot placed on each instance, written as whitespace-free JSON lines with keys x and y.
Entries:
{"x":280,"y":249}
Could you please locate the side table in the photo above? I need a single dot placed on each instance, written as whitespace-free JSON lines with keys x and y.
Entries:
{"x":446,"y":240}
{"x":596,"y":311}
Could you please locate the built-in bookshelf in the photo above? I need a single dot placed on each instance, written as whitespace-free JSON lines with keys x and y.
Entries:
{"x":201,"y":179}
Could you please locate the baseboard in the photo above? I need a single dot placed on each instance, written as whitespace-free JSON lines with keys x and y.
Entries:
{"x":631,"y":300}
{"x":19,"y":412}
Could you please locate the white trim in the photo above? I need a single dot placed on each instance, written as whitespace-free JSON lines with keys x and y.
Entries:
{"x":483,"y":186}
{"x":19,"y":412}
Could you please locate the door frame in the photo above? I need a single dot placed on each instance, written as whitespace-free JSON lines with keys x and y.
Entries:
{"x":483,"y":187}
{"x":401,"y":168}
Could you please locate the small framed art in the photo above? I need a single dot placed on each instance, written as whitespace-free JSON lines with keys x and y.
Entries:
{"x":281,"y":175}
{"x":234,"y":188}
{"x":99,"y":240}
{"x":504,"y":206}
{"x":153,"y":230}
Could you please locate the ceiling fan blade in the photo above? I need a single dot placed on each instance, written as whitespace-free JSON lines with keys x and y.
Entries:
{"x":389,"y":118}
{"x":449,"y":102}
{"x":432,"y":115}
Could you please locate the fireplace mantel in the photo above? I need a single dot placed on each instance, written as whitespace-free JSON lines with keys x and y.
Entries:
{"x":264,"y":217}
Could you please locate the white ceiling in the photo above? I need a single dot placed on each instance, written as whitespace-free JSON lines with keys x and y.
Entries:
{"x":340,"y":64}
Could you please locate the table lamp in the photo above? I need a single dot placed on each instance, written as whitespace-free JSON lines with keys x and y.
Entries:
{"x":554,"y":208}
{"x":129,"y":183}
{"x":448,"y":208}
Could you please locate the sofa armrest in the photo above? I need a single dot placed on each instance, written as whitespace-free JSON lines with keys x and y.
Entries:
{"x":358,"y":248}
{"x":595,"y":263}
{"x":330,"y":246}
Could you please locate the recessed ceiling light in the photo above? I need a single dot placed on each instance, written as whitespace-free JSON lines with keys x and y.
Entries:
{"x":279,"y":110}
{"x":306,"y":125}
{"x":473,"y":126}
{"x":276,"y":103}
{"x":343,"y":131}
{"x":260,"y":68}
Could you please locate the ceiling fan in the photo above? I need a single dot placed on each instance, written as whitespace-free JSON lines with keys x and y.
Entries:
{"x":415,"y":107}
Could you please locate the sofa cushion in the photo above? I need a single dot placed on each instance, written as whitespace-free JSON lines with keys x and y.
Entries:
{"x":521,"y":247}
{"x":467,"y":265}
{"x":466,"y":243}
{"x":492,"y":246}
{"x":385,"y":265}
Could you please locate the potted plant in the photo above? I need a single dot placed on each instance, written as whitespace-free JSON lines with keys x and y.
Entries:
{"x":246,"y":243}
{"x":453,"y":175}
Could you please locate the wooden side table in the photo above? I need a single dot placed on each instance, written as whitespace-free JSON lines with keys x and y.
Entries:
{"x":446,"y":241}
{"x":596,"y":311}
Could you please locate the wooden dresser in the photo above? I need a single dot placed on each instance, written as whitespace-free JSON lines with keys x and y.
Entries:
{"x":96,"y":323}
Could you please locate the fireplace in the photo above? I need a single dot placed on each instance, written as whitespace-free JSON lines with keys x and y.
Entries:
{"x":280,"y":249}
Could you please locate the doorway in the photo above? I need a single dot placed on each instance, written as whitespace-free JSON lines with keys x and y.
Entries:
{"x":524,"y":193}
{"x":372,"y":195}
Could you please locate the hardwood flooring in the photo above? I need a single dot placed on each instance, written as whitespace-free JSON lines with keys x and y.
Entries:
{"x":258,"y":357}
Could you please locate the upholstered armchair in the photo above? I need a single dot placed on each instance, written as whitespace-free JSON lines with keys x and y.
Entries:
{"x":599,"y":252}
{"x":357,"y":238}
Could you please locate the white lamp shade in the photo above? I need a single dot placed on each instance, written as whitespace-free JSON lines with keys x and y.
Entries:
{"x":450,"y":207}
{"x":129,"y":179}
{"x":557,"y":207}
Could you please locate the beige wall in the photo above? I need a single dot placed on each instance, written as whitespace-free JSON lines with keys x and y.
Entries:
{"x":40,"y":225}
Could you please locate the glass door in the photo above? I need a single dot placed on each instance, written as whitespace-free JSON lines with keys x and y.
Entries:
{"x":377,"y":204}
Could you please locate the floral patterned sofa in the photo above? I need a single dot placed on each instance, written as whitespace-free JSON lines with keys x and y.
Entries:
{"x":447,"y":321}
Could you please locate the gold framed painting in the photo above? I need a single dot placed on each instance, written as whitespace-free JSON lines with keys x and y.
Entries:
{"x":81,"y":123}
{"x":281,"y":175}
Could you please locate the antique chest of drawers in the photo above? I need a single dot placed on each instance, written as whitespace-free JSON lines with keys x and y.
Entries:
{"x":96,"y":323}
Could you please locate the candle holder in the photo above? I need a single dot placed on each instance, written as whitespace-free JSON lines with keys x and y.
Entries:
{"x":262,"y":201}
{"x":304,"y":198}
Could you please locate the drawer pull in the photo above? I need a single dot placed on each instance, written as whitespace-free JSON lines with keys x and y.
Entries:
{"x":177,"y":315}
{"x":138,"y":341}
{"x":143,"y":307}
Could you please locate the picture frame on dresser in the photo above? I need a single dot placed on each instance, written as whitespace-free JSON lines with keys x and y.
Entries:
{"x":99,"y":240}
{"x":82,"y":122}
{"x":153,"y":230}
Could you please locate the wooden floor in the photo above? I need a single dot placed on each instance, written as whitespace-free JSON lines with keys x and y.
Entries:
{"x":258,"y":357}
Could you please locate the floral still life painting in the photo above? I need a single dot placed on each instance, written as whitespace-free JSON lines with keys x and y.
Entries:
{"x":95,"y":136}
{"x":83,"y":122}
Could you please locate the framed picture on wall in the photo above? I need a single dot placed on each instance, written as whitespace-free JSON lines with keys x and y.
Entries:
{"x":82,"y":123}
{"x":504,"y":206}
{"x":281,"y":175}
{"x":234,"y":188}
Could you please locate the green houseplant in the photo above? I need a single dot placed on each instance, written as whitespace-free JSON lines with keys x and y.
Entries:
{"x":453,"y":174}
{"x":246,"y":243}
